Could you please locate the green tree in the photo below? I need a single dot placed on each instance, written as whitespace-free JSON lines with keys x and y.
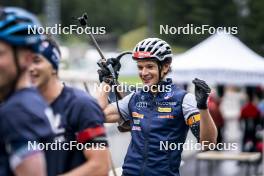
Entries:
{"x":253,"y":26}
{"x":116,"y":15}
{"x":197,"y":12}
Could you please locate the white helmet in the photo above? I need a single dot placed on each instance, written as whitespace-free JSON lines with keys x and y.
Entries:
{"x":153,"y":49}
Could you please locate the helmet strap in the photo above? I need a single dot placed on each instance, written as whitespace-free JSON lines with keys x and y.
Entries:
{"x":159,"y":70}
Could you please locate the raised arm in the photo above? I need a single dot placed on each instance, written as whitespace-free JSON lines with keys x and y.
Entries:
{"x":208,"y":131}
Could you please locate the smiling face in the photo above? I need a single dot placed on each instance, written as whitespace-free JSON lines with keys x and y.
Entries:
{"x":41,"y":71}
{"x":149,"y":72}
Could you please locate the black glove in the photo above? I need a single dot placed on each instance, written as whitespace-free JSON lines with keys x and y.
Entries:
{"x":104,"y":72}
{"x":105,"y":75}
{"x":124,"y":126}
{"x":115,"y":64}
{"x":202,"y":91}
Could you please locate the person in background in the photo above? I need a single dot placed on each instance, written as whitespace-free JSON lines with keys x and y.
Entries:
{"x":260,"y":93}
{"x":214,"y":109}
{"x":78,"y":118}
{"x":260,"y":128}
{"x":250,"y":117}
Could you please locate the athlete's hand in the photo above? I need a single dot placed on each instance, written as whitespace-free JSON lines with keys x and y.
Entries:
{"x":104,"y":72}
{"x":202,"y":91}
{"x":115,"y":64}
{"x":104,"y":75}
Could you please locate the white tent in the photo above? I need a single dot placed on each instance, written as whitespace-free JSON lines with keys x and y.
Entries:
{"x":221,"y":58}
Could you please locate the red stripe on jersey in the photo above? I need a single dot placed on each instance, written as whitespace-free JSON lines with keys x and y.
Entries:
{"x":90,"y":133}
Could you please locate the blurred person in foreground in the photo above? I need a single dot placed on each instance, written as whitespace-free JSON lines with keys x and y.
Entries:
{"x":159,"y":112}
{"x":23,"y":112}
{"x":78,"y":118}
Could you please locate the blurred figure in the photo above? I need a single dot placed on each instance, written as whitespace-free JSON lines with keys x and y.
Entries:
{"x":231,"y":104}
{"x":260,"y":128}
{"x":214,"y":109}
{"x":23,"y":117}
{"x":250,"y":116}
{"x":261,"y":105}
{"x":78,"y":118}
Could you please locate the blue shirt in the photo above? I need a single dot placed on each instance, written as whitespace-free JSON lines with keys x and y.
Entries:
{"x":81,"y":120}
{"x":22,"y":119}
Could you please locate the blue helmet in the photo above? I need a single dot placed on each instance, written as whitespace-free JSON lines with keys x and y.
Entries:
{"x":14,"y":27}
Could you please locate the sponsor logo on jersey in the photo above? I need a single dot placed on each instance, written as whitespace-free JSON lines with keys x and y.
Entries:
{"x":137,"y":115}
{"x":166,"y":103}
{"x":136,"y":128}
{"x":141,"y":104}
{"x":136,"y":121}
{"x":169,"y":95}
{"x":193,"y":119}
{"x":162,"y":109}
{"x":55,"y":121}
{"x":166,"y":116}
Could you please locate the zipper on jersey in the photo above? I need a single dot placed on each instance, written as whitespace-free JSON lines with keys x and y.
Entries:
{"x":146,"y":142}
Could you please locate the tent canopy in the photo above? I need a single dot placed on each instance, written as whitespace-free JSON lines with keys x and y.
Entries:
{"x":220,"y":59}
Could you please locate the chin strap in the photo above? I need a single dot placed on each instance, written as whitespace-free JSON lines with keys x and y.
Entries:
{"x":159,"y":69}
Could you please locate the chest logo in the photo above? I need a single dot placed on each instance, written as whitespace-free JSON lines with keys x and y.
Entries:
{"x":167,"y":117}
{"x":136,"y":128}
{"x":165,"y":103}
{"x":161,"y":109}
{"x":168,"y":96}
{"x":136,"y":121}
{"x":137,"y":115}
{"x":55,"y":121}
{"x":141,"y":104}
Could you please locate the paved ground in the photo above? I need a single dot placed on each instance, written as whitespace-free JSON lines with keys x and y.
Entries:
{"x":226,"y":168}
{"x":120,"y":141}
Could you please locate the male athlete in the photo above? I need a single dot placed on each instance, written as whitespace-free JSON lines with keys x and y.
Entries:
{"x":22,"y":110}
{"x":159,"y":113}
{"x":79,"y":118}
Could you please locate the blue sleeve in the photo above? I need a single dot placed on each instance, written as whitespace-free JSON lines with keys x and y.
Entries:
{"x":21,"y":125}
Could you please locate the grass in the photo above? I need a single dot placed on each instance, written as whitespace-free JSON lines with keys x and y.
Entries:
{"x":132,"y":80}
